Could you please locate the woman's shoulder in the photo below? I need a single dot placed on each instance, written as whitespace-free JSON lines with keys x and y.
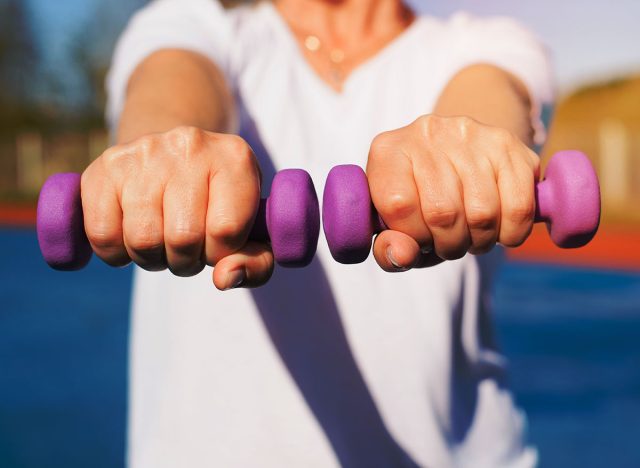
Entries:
{"x":257,"y":25}
{"x":463,"y":24}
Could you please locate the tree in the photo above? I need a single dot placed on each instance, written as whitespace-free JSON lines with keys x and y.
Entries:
{"x":18,"y":62}
{"x":92,"y":46}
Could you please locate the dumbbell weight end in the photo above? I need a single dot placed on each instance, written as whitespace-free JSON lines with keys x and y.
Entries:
{"x":60,"y":223}
{"x":568,"y":200}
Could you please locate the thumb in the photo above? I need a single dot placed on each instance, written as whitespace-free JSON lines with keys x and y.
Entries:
{"x":250,"y":267}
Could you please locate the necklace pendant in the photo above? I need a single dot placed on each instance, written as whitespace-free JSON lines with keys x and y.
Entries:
{"x":312,"y":43}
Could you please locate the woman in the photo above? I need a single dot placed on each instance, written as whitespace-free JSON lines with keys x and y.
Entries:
{"x":330,"y":364}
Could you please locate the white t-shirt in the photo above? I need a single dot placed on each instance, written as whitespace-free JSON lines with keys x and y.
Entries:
{"x":331,"y":364}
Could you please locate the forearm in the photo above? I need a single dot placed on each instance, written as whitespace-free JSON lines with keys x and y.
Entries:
{"x":173,"y":88}
{"x":490,"y":96}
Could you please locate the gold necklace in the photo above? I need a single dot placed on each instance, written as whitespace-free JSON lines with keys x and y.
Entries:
{"x":336,"y":58}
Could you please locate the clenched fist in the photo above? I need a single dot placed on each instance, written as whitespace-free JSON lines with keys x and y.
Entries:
{"x":179,"y":200}
{"x":446,"y":186}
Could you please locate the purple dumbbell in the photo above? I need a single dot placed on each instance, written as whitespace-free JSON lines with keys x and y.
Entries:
{"x":568,"y":200}
{"x":289,"y":218}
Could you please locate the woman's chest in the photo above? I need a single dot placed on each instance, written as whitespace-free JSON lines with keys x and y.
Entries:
{"x":293,"y":119}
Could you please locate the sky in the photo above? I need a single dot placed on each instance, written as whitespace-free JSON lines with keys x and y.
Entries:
{"x":590,"y":40}
{"x":57,"y":21}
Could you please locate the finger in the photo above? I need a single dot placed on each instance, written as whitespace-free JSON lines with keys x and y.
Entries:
{"x":142,"y":222}
{"x":248,"y":268}
{"x":441,"y":200}
{"x":481,"y":201}
{"x":427,"y":260}
{"x":234,"y":197}
{"x":103,"y":219}
{"x":395,"y":251}
{"x":516,"y":182}
{"x":394,"y":192}
{"x":185,"y":210}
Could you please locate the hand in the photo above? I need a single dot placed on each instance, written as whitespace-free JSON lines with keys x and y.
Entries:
{"x":446,"y":186}
{"x":181,"y":199}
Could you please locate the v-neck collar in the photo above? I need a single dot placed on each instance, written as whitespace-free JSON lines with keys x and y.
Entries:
{"x":359,"y":70}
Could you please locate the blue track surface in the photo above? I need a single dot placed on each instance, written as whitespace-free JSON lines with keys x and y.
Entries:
{"x":572,"y":337}
{"x":63,"y":357}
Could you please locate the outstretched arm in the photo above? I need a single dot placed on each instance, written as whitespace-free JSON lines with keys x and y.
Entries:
{"x":491,"y":96}
{"x":174,"y":88}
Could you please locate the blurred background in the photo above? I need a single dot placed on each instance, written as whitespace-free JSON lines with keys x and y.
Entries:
{"x":569,"y":321}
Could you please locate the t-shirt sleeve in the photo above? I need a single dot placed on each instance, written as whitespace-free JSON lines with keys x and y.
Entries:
{"x":505,"y":43}
{"x":200,"y":26}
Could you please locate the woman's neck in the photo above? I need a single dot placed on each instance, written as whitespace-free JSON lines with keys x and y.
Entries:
{"x":346,"y":23}
{"x":338,"y":35}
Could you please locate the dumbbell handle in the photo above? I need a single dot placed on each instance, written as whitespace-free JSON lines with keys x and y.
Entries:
{"x":289,"y":218}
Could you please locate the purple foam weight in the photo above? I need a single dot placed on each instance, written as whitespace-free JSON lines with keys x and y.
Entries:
{"x":293,"y":218}
{"x":568,"y":199}
{"x":60,"y":223}
{"x":347,"y":214}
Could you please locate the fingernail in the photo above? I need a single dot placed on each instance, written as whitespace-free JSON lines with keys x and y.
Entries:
{"x":393,"y":261}
{"x":235,"y":279}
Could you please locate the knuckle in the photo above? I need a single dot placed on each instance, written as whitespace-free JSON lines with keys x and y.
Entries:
{"x":397,"y":206}
{"x":464,"y":122}
{"x":482,"y":217}
{"x":145,"y":145}
{"x":187,"y":140}
{"x":442,"y":216}
{"x":533,"y":161}
{"x":111,"y":158}
{"x":226,"y":230}
{"x":144,"y":240}
{"x":186,"y":133}
{"x":237,"y":146}
{"x":465,"y":126}
{"x":519,"y":222}
{"x":183,"y":239}
{"x":520,"y":214}
{"x":238,"y":151}
{"x":454,"y":251}
{"x":503,"y":137}
{"x":428,"y":125}
{"x":480,"y":248}
{"x":103,"y":237}
{"x":86,"y":177}
{"x":514,"y":239}
{"x":245,"y":159}
{"x":380,"y":143}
